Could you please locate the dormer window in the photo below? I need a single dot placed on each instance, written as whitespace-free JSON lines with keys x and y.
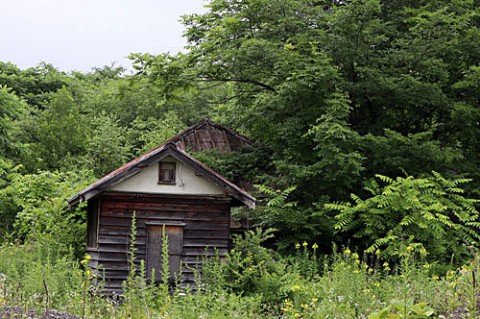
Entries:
{"x":166,"y":173}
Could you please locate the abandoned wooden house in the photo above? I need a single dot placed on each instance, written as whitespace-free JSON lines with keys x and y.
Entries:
{"x":166,"y":188}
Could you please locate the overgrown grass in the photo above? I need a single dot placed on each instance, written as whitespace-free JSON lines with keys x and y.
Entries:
{"x":254,"y":283}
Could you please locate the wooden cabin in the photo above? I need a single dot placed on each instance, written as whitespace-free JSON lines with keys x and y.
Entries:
{"x":165,"y":188}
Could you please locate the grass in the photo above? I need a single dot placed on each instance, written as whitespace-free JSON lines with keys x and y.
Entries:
{"x":300,"y":286}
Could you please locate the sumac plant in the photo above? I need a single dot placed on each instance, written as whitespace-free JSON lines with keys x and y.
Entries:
{"x":432,"y":212}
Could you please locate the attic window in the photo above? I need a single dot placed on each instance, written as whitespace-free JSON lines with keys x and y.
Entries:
{"x":166,"y":173}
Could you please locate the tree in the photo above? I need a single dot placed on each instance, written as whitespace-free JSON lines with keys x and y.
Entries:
{"x":10,"y":107}
{"x":106,"y":148}
{"x":34,"y":85}
{"x":393,"y":63}
{"x":60,"y":134}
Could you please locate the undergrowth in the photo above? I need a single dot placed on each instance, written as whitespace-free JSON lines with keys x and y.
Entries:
{"x":254,"y":282}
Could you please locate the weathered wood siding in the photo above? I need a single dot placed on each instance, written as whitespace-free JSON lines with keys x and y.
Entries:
{"x":208,"y":135}
{"x":206,"y":227}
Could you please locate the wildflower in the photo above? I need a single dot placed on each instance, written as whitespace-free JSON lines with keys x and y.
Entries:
{"x":410,"y":248}
{"x":314,"y":246}
{"x":423,"y":252}
{"x":295,"y":288}
{"x":304,"y":306}
{"x":347,"y":251}
{"x":314,"y":299}
{"x":305,"y":244}
{"x":86,"y":259}
{"x":450,"y":275}
{"x":297,"y":246}
{"x":465,"y":268}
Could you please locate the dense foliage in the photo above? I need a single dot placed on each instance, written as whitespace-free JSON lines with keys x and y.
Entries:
{"x":365,"y":116}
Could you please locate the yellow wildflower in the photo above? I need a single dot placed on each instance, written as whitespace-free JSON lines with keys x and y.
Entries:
{"x":314,"y":246}
{"x":347,"y":251}
{"x":423,"y":251}
{"x":465,"y":268}
{"x":386,"y":266}
{"x":295,"y":288}
{"x":305,"y":244}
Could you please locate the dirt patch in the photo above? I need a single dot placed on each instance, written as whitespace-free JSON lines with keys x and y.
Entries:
{"x":18,"y":313}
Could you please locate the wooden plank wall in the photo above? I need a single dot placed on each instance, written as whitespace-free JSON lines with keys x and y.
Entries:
{"x":210,"y":137}
{"x":206,"y":227}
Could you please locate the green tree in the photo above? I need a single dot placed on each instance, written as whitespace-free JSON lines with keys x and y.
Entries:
{"x":34,"y":85}
{"x":405,"y":70}
{"x":10,"y":107}
{"x":106,"y":148}
{"x":147,"y":134}
{"x":60,"y":134}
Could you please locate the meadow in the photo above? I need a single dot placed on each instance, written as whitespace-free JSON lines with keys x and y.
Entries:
{"x":255,"y":282}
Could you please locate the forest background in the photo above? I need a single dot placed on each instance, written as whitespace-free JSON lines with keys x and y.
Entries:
{"x":365,"y":116}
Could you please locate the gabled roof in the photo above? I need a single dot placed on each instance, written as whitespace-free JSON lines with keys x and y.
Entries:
{"x":167,"y":149}
{"x":206,"y":135}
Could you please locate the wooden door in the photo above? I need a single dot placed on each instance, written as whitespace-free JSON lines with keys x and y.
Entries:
{"x":174,"y":234}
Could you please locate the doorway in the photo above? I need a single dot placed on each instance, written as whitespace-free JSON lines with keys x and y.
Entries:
{"x":174,"y":235}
